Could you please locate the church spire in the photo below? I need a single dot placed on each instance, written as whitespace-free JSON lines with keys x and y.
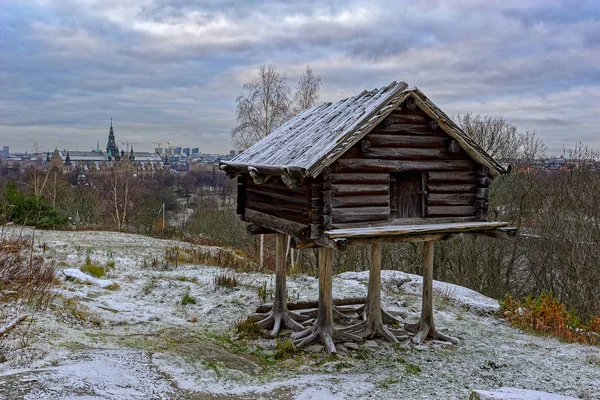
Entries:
{"x":111,"y":147}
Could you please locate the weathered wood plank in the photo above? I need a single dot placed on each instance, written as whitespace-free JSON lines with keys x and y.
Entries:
{"x":410,"y":230}
{"x":279,"y":211}
{"x":406,"y":221}
{"x":254,"y":229}
{"x":391,"y":153}
{"x":360,"y":178}
{"x":300,"y":192}
{"x":381,"y":140}
{"x":368,"y":165}
{"x":451,"y":176}
{"x":451,"y":187}
{"x":363,"y":190}
{"x":360,"y":201}
{"x":451,"y":199}
{"x":411,"y":129}
{"x":276,"y":198}
{"x":447,"y":211}
{"x":344,"y":215}
{"x":277,"y":224}
{"x":399,"y":118}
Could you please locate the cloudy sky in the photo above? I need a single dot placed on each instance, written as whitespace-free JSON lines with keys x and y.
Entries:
{"x":171,"y":69}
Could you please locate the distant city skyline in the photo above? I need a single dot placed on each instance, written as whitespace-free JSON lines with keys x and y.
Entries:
{"x":171,"y":70}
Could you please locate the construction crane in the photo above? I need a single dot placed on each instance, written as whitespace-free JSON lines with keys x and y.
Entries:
{"x":128,"y":143}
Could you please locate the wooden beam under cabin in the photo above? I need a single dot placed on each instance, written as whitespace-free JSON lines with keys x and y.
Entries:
{"x":278,"y":224}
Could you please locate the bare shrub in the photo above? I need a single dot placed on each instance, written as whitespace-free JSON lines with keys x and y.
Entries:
{"x":25,"y":285}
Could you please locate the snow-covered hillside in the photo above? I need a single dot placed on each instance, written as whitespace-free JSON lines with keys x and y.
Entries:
{"x":139,"y":342}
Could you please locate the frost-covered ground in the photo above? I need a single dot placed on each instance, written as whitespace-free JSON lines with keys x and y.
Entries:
{"x":139,"y":342}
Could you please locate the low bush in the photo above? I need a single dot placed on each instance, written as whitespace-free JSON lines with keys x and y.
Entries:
{"x":247,"y":329}
{"x":545,"y":314}
{"x":285,"y":349}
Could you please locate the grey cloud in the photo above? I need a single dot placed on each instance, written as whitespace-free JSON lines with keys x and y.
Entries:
{"x":173,"y":68}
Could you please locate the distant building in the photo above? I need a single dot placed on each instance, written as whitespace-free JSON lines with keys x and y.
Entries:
{"x":186,"y":151}
{"x":5,"y":152}
{"x":195,"y":150}
{"x":177,"y":150}
{"x":112,"y":150}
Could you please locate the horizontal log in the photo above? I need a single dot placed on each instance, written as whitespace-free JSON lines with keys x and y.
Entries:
{"x":300,"y":192}
{"x":450,"y":199}
{"x":254,"y":229}
{"x":278,"y":224}
{"x":450,"y":187}
{"x":364,"y":165}
{"x":381,"y":140}
{"x":360,"y":190}
{"x":362,"y":214}
{"x":411,"y":129}
{"x":416,"y":119}
{"x":234,"y":168}
{"x":358,"y":178}
{"x":412,"y":230}
{"x":307,"y":305}
{"x":391,"y":153}
{"x":276,"y":198}
{"x":278,"y":211}
{"x":360,"y":201}
{"x":406,"y":221}
{"x":451,"y":176}
{"x":457,"y":211}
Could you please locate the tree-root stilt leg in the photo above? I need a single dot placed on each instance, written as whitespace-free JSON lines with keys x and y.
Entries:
{"x":372,"y":326}
{"x":323,"y":327}
{"x":426,"y":325}
{"x":279,"y":316}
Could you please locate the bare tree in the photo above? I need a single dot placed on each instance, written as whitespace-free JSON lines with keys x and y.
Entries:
{"x":117,"y":191}
{"x":263,"y":106}
{"x":502,"y":139}
{"x":307,"y":91}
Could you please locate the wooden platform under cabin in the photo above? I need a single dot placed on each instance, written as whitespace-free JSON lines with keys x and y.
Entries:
{"x":412,"y":232}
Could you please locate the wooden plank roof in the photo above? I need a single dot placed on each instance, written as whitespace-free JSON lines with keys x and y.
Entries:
{"x":315,"y":138}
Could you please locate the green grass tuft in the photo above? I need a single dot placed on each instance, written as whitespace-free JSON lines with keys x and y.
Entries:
{"x":285,"y":349}
{"x":187,"y":299}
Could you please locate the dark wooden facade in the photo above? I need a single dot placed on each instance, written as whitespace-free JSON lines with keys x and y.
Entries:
{"x":406,"y":170}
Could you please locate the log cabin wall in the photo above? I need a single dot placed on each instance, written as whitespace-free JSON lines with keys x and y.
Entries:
{"x":275,"y":198}
{"x":366,"y":177}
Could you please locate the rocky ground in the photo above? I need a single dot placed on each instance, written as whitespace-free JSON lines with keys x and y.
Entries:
{"x":135,"y":339}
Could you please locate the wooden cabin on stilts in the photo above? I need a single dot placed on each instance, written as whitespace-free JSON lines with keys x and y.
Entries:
{"x":384,"y":166}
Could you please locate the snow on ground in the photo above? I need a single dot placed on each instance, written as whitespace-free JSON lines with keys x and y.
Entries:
{"x":150,"y":346}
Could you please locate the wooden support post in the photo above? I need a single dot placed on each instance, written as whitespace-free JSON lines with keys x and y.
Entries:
{"x":373,"y":315}
{"x":323,"y":327}
{"x":279,"y":315}
{"x":426,"y":326}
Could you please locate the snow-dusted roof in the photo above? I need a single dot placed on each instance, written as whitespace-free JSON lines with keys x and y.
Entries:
{"x":83,"y":155}
{"x":146,"y":156}
{"x":315,"y":138}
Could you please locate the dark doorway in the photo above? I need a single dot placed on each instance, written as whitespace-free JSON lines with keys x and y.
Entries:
{"x":406,"y":195}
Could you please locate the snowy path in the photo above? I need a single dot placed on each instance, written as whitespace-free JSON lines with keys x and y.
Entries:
{"x":149,"y":346}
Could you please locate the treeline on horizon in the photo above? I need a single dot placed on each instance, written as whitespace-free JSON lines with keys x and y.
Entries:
{"x":556,"y":212}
